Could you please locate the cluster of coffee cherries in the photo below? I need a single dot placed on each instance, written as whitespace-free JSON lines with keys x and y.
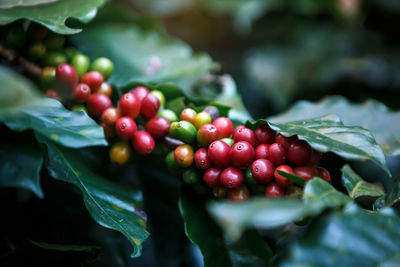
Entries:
{"x":231,"y":160}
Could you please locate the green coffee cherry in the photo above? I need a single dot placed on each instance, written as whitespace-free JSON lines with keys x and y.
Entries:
{"x":104,"y":66}
{"x":172,"y":166}
{"x":228,"y":141}
{"x":70,"y":52}
{"x":48,"y":76}
{"x":167,"y":114}
{"x":160,"y":96}
{"x":184,"y":131}
{"x":191,"y":176}
{"x":248,"y":178}
{"x":54,"y":41}
{"x":54,"y":59}
{"x":36,"y":51}
{"x":201,"y":119}
{"x":81,"y":63}
{"x":15,"y":36}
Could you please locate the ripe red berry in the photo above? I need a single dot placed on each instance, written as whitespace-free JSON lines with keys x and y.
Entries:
{"x":140,"y":92}
{"x":92,"y":78}
{"x":231,"y":178}
{"x":277,"y":154}
{"x":150,"y":106}
{"x":239,"y":194}
{"x":126,"y":128}
{"x":66,"y":76}
{"x":262,"y":171}
{"x":81,"y":93}
{"x":158,"y":127}
{"x":184,"y":155}
{"x":224,"y":126}
{"x":285,"y":141}
{"x":207,"y":134}
{"x":315,"y":158}
{"x":129,"y":105}
{"x":324,"y":174}
{"x":211,"y":177}
{"x":238,"y":128}
{"x":262,"y":151}
{"x":306,"y":172}
{"x":143,"y":143}
{"x":280,"y":180}
{"x":110,"y":116}
{"x":97,"y":103}
{"x":299,"y":153}
{"x":242,"y":154}
{"x":201,"y":159}
{"x":245,"y":134}
{"x":273,"y":190}
{"x":219,"y":153}
{"x":264,"y":134}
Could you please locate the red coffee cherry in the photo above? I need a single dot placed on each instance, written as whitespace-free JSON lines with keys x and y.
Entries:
{"x":207,"y":134}
{"x":277,"y":154}
{"x":129,"y":105}
{"x":231,"y":178}
{"x":92,"y":78}
{"x":324,"y":174}
{"x":184,"y":155}
{"x":262,"y":151}
{"x":299,"y":153}
{"x":285,"y":141}
{"x":264,"y":134}
{"x":158,"y":127}
{"x":262,"y":171}
{"x":245,"y":134}
{"x":140,"y":92}
{"x":211,"y":177}
{"x":273,"y":190}
{"x":81,"y":93}
{"x":143,"y":143}
{"x":188,"y":114}
{"x":150,"y":106}
{"x":239,"y":194}
{"x":109,"y":131}
{"x":97,"y":103}
{"x":242,"y":154}
{"x":280,"y":180}
{"x":110,"y":116}
{"x":238,"y":128}
{"x":219,"y":153}
{"x":66,"y":76}
{"x":306,"y":172}
{"x":126,"y":128}
{"x":104,"y":89}
{"x":315,"y":158}
{"x":201,"y":159}
{"x":224,"y":126}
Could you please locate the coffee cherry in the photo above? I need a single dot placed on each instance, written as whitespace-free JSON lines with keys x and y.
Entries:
{"x":54,"y":59}
{"x":219,"y":192}
{"x":212,"y":111}
{"x":273,"y":190}
{"x":191,"y":176}
{"x":66,"y":76}
{"x":262,"y":171}
{"x":242,"y":154}
{"x":54,"y":41}
{"x":81,"y":64}
{"x":104,"y":89}
{"x":48,"y":75}
{"x":224,"y":126}
{"x":219,"y":154}
{"x":110,"y":116}
{"x":277,"y":154}
{"x":104,"y":66}
{"x":237,"y":129}
{"x":201,"y":159}
{"x":70,"y":52}
{"x":160,"y":96}
{"x":285,"y":141}
{"x":140,"y":92}
{"x":262,"y":151}
{"x":129,"y":105}
{"x":52,"y":93}
{"x":184,"y":155}
{"x":143,"y":143}
{"x":188,"y":114}
{"x":264,"y":134}
{"x":172,"y":166}
{"x":120,"y":153}
{"x":150,"y":106}
{"x":109,"y":131}
{"x":315,"y":158}
{"x":201,"y":119}
{"x":97,"y":103}
{"x":167,"y":114}
{"x":158,"y":127}
{"x":248,"y":177}
{"x":36,"y":51}
{"x":306,"y":172}
{"x":207,"y":134}
{"x":126,"y":128}
{"x":239,"y":194}
{"x":229,"y":141}
{"x":280,"y":180}
{"x":231,"y":178}
{"x":245,"y":134}
{"x":184,"y":131}
{"x":92,"y":78}
{"x":211,"y":177}
{"x":81,"y":93}
{"x":324,"y":174}
{"x":299,"y":153}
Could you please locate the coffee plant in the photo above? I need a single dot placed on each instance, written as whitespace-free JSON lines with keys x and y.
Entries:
{"x":121,"y":146}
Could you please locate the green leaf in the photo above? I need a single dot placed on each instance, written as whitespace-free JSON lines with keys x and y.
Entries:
{"x":327,"y":133}
{"x":267,"y":212}
{"x":66,"y":247}
{"x":371,"y":114}
{"x":52,"y":14}
{"x":250,"y":250}
{"x":110,"y":205}
{"x":357,"y":187}
{"x":391,"y":198}
{"x":20,"y":166}
{"x":355,"y":237}
{"x":22,"y":108}
{"x":297,"y":179}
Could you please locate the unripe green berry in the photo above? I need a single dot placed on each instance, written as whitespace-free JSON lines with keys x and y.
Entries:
{"x":184,"y":131}
{"x":54,"y":59}
{"x":160,"y":96}
{"x":36,"y":51}
{"x":248,"y":178}
{"x":191,"y":176}
{"x":201,"y":119}
{"x":54,"y":41}
{"x":228,"y":141}
{"x":167,"y":114}
{"x":70,"y":52}
{"x":81,"y":63}
{"x":172,"y":166}
{"x":48,"y":76}
{"x":104,"y":66}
